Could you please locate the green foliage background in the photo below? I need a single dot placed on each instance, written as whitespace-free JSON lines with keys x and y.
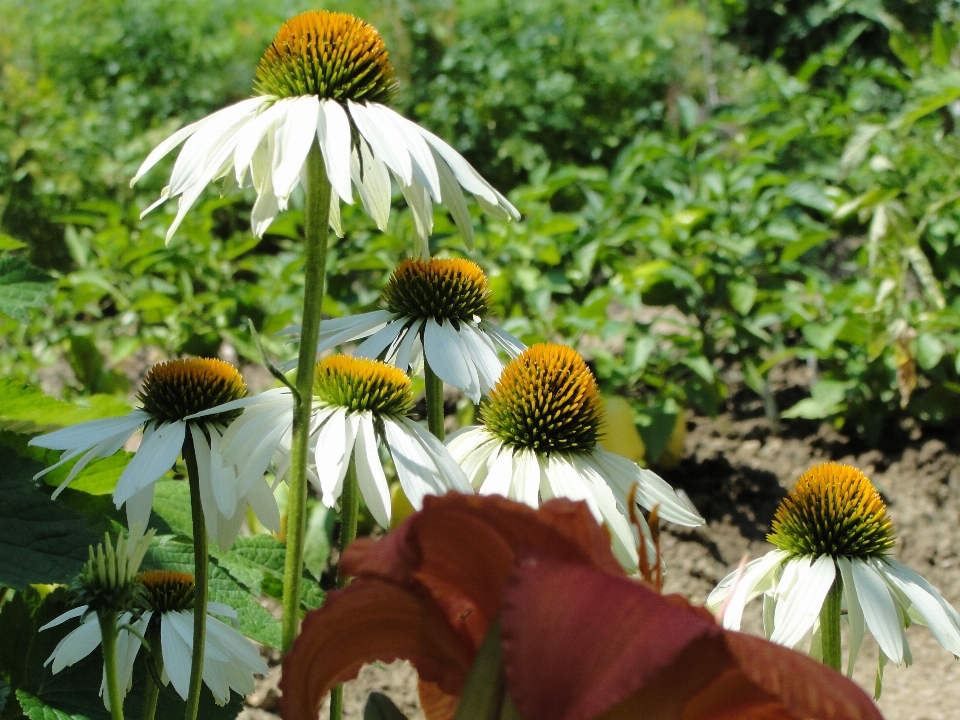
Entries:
{"x":696,"y":195}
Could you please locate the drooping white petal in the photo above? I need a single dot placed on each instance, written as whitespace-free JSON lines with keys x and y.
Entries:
{"x":334,"y":217}
{"x":402,"y":356}
{"x":128,"y":645}
{"x":758,"y":576}
{"x":266,"y":206}
{"x":499,"y":477}
{"x":295,"y":136}
{"x":225,"y":494}
{"x":250,"y":138}
{"x":507,"y":341}
{"x":87,"y":434}
{"x":801,"y":602}
{"x":450,"y":474}
{"x":370,"y":476}
{"x":374,"y":345}
{"x":60,"y":619}
{"x":372,"y":179}
{"x":452,"y":197}
{"x":104,"y":449}
{"x":935,"y":612}
{"x":384,"y":139}
{"x":855,"y":617}
{"x":177,"y":655}
{"x":472,"y":448}
{"x":466,"y":176}
{"x":333,"y":134}
{"x":268,"y":396}
{"x":138,"y":507}
{"x":878,"y":609}
{"x":264,"y":505}
{"x":651,"y":489}
{"x":76,"y":645}
{"x":424,"y":166}
{"x":243,"y":108}
{"x":480,"y":351}
{"x":418,"y":200}
{"x":335,"y":443}
{"x":444,"y":354}
{"x":156,"y":454}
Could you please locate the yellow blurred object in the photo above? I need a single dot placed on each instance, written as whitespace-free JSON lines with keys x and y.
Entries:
{"x":619,"y":434}
{"x":44,"y":590}
{"x":673,"y":452}
{"x":401,"y":508}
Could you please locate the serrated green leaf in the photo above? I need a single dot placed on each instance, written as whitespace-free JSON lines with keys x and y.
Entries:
{"x":256,"y":622}
{"x":25,"y":409}
{"x":35,"y":709}
{"x":171,"y":508}
{"x":254,"y":560}
{"x":22,"y":286}
{"x":41,"y":540}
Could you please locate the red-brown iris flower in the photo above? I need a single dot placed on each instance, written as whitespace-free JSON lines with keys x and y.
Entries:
{"x":578,"y":639}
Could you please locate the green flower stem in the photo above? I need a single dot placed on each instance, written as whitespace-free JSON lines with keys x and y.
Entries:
{"x":108,"y":632}
{"x":317,"y":217}
{"x":349,"y":510}
{"x":201,"y":564}
{"x":152,"y":692}
{"x":830,"y":625}
{"x":434,"y":391}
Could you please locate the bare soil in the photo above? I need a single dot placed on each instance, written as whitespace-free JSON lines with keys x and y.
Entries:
{"x":736,"y":471}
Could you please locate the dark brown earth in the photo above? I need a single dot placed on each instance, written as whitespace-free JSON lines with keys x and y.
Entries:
{"x":736,"y":471}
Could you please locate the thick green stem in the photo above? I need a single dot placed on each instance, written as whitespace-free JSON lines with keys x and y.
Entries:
{"x":830,"y":625}
{"x":317,"y":218}
{"x":108,"y":633}
{"x":201,"y":564}
{"x":434,"y":391}
{"x":152,"y":692}
{"x":349,"y":510}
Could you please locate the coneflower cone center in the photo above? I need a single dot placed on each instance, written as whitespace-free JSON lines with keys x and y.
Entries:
{"x":332,"y":55}
{"x":439,"y":288}
{"x":833,"y":510}
{"x":167,"y":591}
{"x":173,"y":390}
{"x":547,"y":401}
{"x":358,"y":384}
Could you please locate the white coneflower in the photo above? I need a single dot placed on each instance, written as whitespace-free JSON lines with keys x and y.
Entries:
{"x":325,"y":79}
{"x":436,"y":310}
{"x":171,"y":392}
{"x":833,"y":528}
{"x":539,"y":440}
{"x":359,"y":405}
{"x":229,"y":660}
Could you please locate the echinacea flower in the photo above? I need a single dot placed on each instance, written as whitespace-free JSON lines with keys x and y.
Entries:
{"x":359,"y":405}
{"x":171,"y":392}
{"x":833,"y":528}
{"x":516,"y":612}
{"x":229,"y":659}
{"x":436,"y":311}
{"x":324,"y":81}
{"x":539,"y":440}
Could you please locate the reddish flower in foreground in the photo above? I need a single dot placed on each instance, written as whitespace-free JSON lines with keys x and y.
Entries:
{"x":578,"y":639}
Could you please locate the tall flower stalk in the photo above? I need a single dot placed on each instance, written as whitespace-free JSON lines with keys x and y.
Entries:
{"x":315,"y":275}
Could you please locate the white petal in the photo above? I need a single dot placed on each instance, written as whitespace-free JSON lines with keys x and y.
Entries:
{"x":611,"y":514}
{"x":444,"y":354}
{"x":334,"y":447}
{"x":334,"y":218}
{"x":68,"y":615}
{"x":384,"y":139}
{"x":370,"y":476}
{"x":651,"y":489}
{"x":373,"y":183}
{"x":878,"y":609}
{"x":294,"y":137}
{"x":499,"y":478}
{"x":138,"y":507}
{"x":526,"y":478}
{"x":374,"y":345}
{"x":177,"y":655}
{"x":463,"y":171}
{"x":424,"y":166}
{"x":480,"y":351}
{"x":250,"y":138}
{"x":265,"y":208}
{"x":935,"y":612}
{"x":104,"y":449}
{"x":452,"y":197}
{"x":507,"y":341}
{"x":264,"y":505}
{"x":418,"y":199}
{"x":758,"y":576}
{"x":333,"y":132}
{"x":155,"y":456}
{"x":854,"y":613}
{"x":210,"y":466}
{"x":416,"y":470}
{"x":274,"y":395}
{"x":87,"y":434}
{"x":452,"y":476}
{"x":802,"y":600}
{"x":244,"y":107}
{"x":77,"y":645}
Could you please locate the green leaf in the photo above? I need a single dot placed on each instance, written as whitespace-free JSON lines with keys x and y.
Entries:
{"x":484,"y":690}
{"x":41,"y":540}
{"x":34,"y":709}
{"x":317,"y":543}
{"x":930,"y":350}
{"x":810,"y":195}
{"x":253,"y":561}
{"x":904,"y":48}
{"x":380,"y":707}
{"x":9,"y":243}
{"x":22,"y":286}
{"x":807,"y":241}
{"x":256,"y":622}
{"x":98,"y":478}
{"x":925,"y":106}
{"x":821,"y":336}
{"x":171,"y":513}
{"x":743,"y":293}
{"x":25,"y":409}
{"x":827,"y":398}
